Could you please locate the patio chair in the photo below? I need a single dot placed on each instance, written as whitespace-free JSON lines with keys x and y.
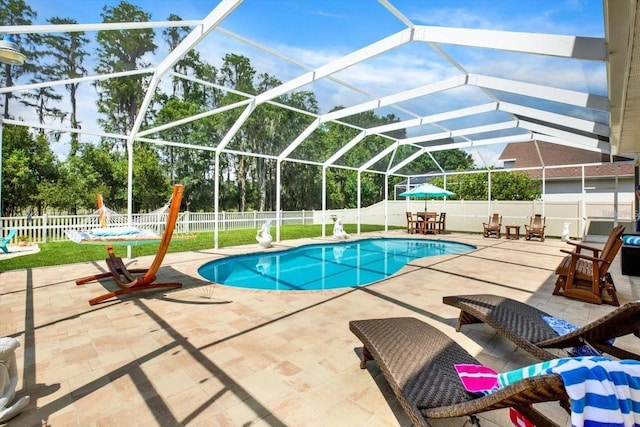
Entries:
{"x":586,"y":276}
{"x":524,"y":325}
{"x":492,"y":228}
{"x":414,"y":225}
{"x":4,"y":241}
{"x":535,"y":228}
{"x":125,"y":278}
{"x":440,"y":223}
{"x":418,"y":360}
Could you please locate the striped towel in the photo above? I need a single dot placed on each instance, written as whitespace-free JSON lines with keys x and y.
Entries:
{"x":631,"y":240}
{"x":603,"y":392}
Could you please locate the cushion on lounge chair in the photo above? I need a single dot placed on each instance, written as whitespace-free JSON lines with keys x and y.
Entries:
{"x":524,"y":325}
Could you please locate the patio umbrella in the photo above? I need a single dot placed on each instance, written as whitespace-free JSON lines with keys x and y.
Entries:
{"x":427,"y":190}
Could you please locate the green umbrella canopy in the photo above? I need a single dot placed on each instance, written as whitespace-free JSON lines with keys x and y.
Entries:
{"x":427,"y":190}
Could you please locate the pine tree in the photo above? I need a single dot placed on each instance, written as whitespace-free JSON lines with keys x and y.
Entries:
{"x":67,"y":51}
{"x":119,"y":99}
{"x":17,"y":12}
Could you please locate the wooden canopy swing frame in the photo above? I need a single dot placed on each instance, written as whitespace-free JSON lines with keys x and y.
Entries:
{"x":125,"y":278}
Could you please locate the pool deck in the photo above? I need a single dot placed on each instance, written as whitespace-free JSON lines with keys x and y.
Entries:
{"x":211,"y":355}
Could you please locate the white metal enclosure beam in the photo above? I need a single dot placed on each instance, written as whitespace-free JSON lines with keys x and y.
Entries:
{"x":348,"y":146}
{"x":565,"y":96}
{"x":375,"y":159}
{"x":460,"y":132}
{"x":557,"y":140}
{"x":559,"y":119}
{"x":440,"y":86}
{"x":589,"y":48}
{"x":353,"y":58}
{"x":296,"y":142}
{"x":434,"y":118}
{"x":564,"y":135}
{"x":406,"y":161}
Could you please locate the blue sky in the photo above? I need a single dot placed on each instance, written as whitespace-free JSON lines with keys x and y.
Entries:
{"x":315,"y":32}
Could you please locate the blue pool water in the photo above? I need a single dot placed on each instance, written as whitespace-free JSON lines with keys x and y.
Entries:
{"x":325,"y":266}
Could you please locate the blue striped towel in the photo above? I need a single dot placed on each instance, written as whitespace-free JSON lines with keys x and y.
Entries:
{"x":631,"y":240}
{"x":603,"y":392}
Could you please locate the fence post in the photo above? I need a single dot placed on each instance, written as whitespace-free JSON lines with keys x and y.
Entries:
{"x":45,"y":227}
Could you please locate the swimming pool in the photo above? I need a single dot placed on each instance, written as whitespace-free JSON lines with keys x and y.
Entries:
{"x":325,"y":266}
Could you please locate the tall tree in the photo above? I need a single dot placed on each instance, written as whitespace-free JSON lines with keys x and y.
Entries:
{"x":13,"y":13}
{"x":190,"y":166}
{"x":301,"y":183}
{"x":172,"y":38}
{"x":237,"y":73}
{"x":42,"y":98}
{"x":122,"y":50}
{"x":270,"y":120}
{"x":68,"y":53}
{"x":184,"y":101}
{"x":152,"y":189}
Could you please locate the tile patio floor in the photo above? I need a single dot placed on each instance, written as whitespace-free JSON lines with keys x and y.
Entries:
{"x":210,"y":355}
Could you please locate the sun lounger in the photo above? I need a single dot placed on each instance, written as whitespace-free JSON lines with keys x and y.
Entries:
{"x":523,"y":325}
{"x":418,"y":361}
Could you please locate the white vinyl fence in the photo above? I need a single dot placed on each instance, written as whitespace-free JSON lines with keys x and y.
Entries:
{"x":51,"y":228}
{"x":462,"y":216}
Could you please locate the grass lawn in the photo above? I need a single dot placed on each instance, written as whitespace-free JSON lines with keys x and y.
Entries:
{"x":67,"y":252}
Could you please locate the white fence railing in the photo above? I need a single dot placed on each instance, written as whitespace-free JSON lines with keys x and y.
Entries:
{"x":464,"y":216}
{"x":51,"y":228}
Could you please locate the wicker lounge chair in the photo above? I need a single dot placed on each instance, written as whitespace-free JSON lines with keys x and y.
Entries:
{"x":585,"y":276}
{"x":523,"y":325}
{"x":536,"y":227}
{"x":418,"y":362}
{"x":492,"y":228}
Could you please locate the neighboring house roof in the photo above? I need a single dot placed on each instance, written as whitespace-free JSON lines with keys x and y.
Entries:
{"x":525,"y":155}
